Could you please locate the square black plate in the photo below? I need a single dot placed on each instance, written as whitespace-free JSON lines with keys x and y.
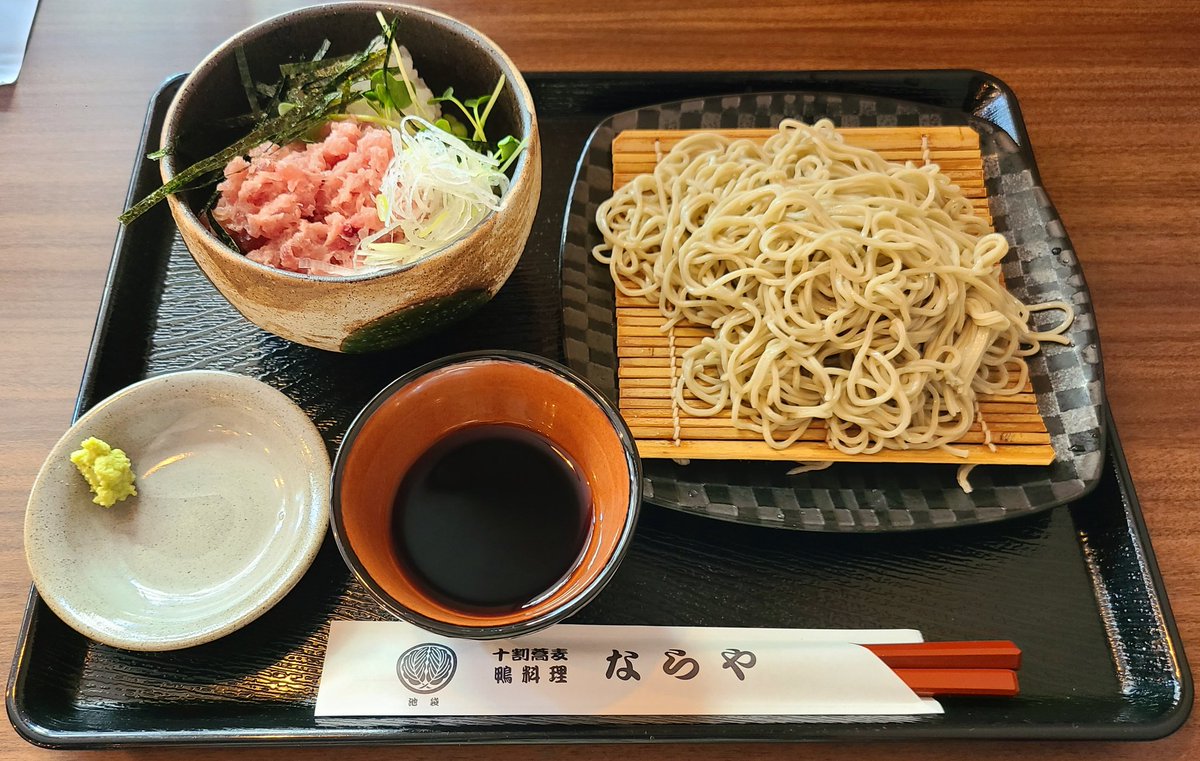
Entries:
{"x":859,"y":497}
{"x":1076,"y":587}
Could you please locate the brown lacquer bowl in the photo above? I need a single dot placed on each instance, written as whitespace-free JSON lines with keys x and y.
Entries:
{"x":433,"y":401}
{"x":371,"y":311}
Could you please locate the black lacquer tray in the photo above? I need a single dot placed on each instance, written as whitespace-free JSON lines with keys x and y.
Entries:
{"x":1076,"y":586}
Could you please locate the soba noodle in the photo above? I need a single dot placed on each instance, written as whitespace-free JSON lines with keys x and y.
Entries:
{"x":839,"y":287}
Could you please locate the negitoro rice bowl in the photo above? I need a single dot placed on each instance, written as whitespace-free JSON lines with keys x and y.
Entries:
{"x":335,"y":202}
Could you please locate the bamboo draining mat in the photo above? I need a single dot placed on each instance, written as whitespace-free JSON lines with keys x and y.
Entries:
{"x":643,"y":352}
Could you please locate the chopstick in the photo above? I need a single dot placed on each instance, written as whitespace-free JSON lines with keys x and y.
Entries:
{"x":932,"y":683}
{"x":943,"y":669}
{"x":953,"y":655}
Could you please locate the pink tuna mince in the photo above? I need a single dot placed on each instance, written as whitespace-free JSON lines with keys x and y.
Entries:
{"x":305,"y":207}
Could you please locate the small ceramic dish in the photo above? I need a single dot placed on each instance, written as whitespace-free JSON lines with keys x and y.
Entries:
{"x":232,"y":506}
{"x":444,"y":397}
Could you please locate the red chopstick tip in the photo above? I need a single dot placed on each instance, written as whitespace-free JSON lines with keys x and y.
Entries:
{"x":932,"y":683}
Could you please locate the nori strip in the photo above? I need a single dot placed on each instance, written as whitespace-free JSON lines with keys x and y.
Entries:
{"x":320,"y":98}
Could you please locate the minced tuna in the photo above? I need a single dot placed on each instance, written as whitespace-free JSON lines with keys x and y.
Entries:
{"x":305,"y":207}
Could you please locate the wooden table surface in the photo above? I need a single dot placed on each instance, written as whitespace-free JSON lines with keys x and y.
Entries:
{"x":1108,"y":96}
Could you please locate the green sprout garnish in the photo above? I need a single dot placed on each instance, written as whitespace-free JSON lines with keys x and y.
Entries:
{"x":387,"y":93}
{"x":507,"y":151}
{"x":452,"y":125}
{"x":470,"y":109}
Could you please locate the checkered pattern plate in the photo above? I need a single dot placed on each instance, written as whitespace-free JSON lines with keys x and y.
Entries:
{"x":858,"y":497}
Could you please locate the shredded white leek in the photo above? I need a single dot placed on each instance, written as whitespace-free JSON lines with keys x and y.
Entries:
{"x":435,"y":190}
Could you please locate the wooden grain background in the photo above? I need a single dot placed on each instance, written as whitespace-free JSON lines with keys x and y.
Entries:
{"x":1108,"y":91}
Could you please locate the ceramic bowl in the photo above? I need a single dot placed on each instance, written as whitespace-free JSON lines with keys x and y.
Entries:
{"x":435,"y":400}
{"x":232,"y":506}
{"x":370,"y":311}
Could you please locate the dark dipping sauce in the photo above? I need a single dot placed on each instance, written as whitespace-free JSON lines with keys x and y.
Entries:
{"x":491,"y":517}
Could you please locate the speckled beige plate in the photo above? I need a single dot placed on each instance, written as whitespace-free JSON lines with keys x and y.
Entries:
{"x":232,"y":505}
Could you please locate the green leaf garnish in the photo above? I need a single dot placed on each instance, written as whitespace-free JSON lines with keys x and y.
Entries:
{"x":388,"y":91}
{"x":506,"y":148}
{"x":400,"y":96}
{"x":452,"y":125}
{"x":491,"y":101}
{"x":507,"y":151}
{"x":470,"y":109}
{"x":448,"y":97}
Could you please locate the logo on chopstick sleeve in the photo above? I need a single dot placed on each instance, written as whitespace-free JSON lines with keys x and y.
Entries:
{"x":427,"y":667}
